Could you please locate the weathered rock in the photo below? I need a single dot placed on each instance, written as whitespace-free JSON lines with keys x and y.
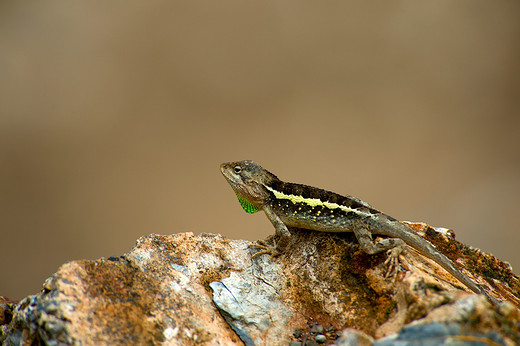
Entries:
{"x":205,"y":289}
{"x":251,"y":303}
{"x":353,"y":337}
{"x":6,"y":313}
{"x":440,"y":334}
{"x":156,"y":293}
{"x":467,"y":321}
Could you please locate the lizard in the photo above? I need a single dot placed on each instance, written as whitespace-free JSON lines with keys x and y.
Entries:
{"x":301,"y":206}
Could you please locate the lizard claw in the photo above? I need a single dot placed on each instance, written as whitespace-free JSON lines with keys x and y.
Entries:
{"x":266,"y":249}
{"x":392,"y":262}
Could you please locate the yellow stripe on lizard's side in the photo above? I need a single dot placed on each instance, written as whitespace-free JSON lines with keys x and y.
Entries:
{"x":313,"y":202}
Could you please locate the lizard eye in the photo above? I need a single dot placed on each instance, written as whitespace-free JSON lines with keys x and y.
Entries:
{"x":237,"y":169}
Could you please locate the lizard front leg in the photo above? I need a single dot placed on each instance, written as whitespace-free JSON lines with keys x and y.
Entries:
{"x":393,"y":246}
{"x":281,"y":232}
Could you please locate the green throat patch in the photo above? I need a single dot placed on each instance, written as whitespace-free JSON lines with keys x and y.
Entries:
{"x":248,"y":207}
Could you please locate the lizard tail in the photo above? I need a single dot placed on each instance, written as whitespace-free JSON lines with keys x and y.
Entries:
{"x":427,"y":249}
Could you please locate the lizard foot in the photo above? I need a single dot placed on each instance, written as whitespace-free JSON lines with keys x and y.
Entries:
{"x":393,"y":263}
{"x":266,"y":249}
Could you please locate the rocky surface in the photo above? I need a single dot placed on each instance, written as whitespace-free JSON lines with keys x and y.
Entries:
{"x":205,"y":289}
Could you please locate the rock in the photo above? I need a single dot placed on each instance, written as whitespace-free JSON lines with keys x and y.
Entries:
{"x":317,"y":329}
{"x":440,"y":334}
{"x":352,"y":337}
{"x":157,"y":293}
{"x":320,"y":338}
{"x":205,"y":289}
{"x":251,"y":303}
{"x":6,"y":313}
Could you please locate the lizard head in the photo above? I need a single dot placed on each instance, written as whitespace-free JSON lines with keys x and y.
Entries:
{"x":248,"y":180}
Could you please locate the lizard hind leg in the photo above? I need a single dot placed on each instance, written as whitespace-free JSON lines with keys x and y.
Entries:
{"x":392,"y":262}
{"x":393,"y":246}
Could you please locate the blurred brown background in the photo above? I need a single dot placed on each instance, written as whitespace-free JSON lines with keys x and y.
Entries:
{"x":114,"y":118}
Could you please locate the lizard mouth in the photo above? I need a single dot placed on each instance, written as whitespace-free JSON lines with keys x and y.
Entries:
{"x":225,"y":172}
{"x":225,"y":169}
